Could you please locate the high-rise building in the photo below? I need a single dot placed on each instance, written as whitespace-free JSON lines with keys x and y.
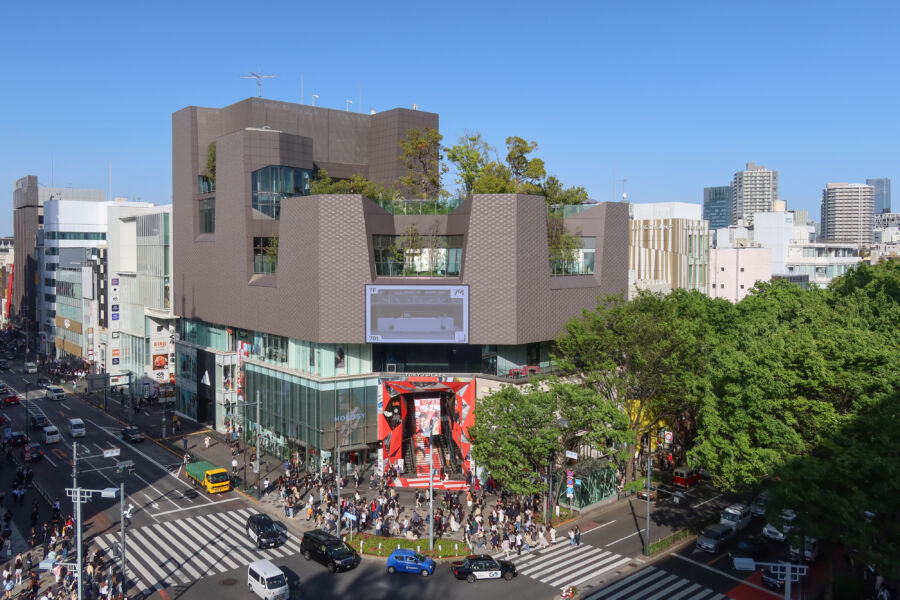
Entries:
{"x":847,"y":213}
{"x":717,"y":206}
{"x":753,"y":190}
{"x":882,"y":187}
{"x":669,"y":243}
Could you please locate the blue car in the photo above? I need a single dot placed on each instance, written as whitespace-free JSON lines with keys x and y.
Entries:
{"x":409,"y":561}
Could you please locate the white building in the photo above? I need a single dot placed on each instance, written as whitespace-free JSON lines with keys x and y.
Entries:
{"x":669,"y":246}
{"x":734,"y":271}
{"x":753,"y":190}
{"x":847,"y":213}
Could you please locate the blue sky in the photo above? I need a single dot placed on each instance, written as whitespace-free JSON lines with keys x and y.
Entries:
{"x":672,"y":96}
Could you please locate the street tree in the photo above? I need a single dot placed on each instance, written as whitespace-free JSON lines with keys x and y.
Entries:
{"x":470,"y":155}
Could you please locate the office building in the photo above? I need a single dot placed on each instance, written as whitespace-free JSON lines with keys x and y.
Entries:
{"x":882,"y":186}
{"x":717,"y":206}
{"x":304,"y":303}
{"x":753,"y":190}
{"x":847,"y":213}
{"x":734,"y":271}
{"x":669,"y":242}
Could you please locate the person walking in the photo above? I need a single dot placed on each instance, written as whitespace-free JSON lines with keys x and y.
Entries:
{"x":571,"y":535}
{"x":577,"y":535}
{"x":184,"y":442}
{"x":207,"y":440}
{"x":234,"y":466}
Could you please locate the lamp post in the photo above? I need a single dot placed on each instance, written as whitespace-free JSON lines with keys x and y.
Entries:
{"x":563,"y":424}
{"x":649,"y":467}
{"x":431,"y":485}
{"x":79,"y":496}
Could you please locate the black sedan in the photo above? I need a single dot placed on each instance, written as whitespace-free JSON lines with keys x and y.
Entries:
{"x":132,"y":435}
{"x":482,"y":566}
{"x":17,"y":438}
{"x":43,"y":382}
{"x":32,"y":452}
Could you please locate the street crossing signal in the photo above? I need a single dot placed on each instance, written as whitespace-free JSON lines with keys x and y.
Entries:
{"x":125,"y":466}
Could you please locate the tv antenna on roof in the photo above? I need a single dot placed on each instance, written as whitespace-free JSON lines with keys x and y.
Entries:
{"x":258,"y":76}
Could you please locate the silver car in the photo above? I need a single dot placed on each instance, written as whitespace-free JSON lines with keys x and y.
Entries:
{"x":779,"y":534}
{"x":714,"y":537}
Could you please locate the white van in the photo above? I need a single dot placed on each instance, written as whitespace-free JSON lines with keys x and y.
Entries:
{"x":76,"y":428}
{"x":54,"y":392}
{"x":736,"y":516}
{"x":50,"y":435}
{"x":267,"y":581}
{"x":29,"y":367}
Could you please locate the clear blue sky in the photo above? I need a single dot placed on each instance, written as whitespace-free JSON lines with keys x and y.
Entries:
{"x":674,"y":96}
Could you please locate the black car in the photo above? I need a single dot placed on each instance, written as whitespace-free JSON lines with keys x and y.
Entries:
{"x":132,"y":435}
{"x":3,"y":388}
{"x":17,"y":438}
{"x":328,"y":550}
{"x":482,"y":566}
{"x":748,"y":548}
{"x":4,"y":364}
{"x":39,"y":421}
{"x":43,"y":382}
{"x":262,"y":531}
{"x":773,"y":579}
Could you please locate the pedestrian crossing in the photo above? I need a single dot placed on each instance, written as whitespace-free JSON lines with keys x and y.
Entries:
{"x":179,"y":552}
{"x":561,"y":564}
{"x":655,"y":584}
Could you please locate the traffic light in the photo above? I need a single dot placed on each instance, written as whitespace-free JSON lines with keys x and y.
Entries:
{"x":125,"y":466}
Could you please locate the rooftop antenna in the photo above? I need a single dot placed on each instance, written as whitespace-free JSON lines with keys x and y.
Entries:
{"x":349,"y":102}
{"x":258,"y":76}
{"x":624,"y":195}
{"x":314,"y":96}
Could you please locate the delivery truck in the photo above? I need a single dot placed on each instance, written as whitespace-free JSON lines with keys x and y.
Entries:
{"x":213,"y":478}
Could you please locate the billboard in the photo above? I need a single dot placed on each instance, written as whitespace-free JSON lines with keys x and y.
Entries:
{"x":417,"y":314}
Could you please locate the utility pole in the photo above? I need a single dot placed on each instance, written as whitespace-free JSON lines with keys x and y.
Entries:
{"x":431,"y":486}
{"x":258,"y":435}
{"x":337,"y":472}
{"x":122,"y":527}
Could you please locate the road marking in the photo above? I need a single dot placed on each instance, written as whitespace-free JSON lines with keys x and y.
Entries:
{"x":728,"y":575}
{"x":595,"y":574}
{"x":50,"y":460}
{"x":168,"y":512}
{"x":623,"y":539}
{"x":153,"y":502}
{"x":598,"y":527}
{"x":155,"y":489}
{"x":64,"y":406}
{"x":705,"y":501}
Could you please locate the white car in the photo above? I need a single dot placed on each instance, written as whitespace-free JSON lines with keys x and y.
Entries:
{"x":779,"y":534}
{"x":54,"y":392}
{"x":736,"y":516}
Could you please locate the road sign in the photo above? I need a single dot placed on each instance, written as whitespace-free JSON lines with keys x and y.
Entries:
{"x":111,"y":452}
{"x":570,"y":491}
{"x":570,"y":454}
{"x":350,"y":516}
{"x":570,"y":474}
{"x":577,"y":482}
{"x":146,"y":391}
{"x":668,"y":437}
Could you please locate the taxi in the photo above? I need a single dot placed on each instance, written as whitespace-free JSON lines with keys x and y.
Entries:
{"x":476,"y":567}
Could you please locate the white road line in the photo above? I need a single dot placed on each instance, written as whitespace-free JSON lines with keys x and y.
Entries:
{"x":47,"y":458}
{"x":705,"y":501}
{"x":560,"y":547}
{"x":182,"y":509}
{"x":64,"y":406}
{"x":591,"y":570}
{"x":233,"y":544}
{"x":623,"y":539}
{"x":144,"y":567}
{"x":642,"y":583}
{"x":556,"y":572}
{"x":688,"y":590}
{"x":614,"y":586}
{"x":598,"y":527}
{"x":534,"y":569}
{"x":200,"y":543}
{"x":596,"y":574}
{"x":174,"y":540}
{"x":164,"y":559}
{"x":724,"y":574}
{"x":155,"y":489}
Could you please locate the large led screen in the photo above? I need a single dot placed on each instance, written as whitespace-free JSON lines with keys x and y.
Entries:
{"x":417,"y":314}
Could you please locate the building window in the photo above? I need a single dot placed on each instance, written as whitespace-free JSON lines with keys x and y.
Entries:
{"x":205,"y":185}
{"x":265,"y":255}
{"x":581,"y":262}
{"x":723,"y":268}
{"x":742,"y":269}
{"x":722,"y":285}
{"x":416,"y":255}
{"x":742,"y":286}
{"x":74,"y":235}
{"x":271,"y":184}
{"x":208,"y":215}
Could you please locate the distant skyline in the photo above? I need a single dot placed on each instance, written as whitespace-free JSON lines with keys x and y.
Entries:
{"x":672,"y":98}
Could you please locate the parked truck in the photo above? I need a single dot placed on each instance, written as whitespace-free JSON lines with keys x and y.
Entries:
{"x":213,"y":478}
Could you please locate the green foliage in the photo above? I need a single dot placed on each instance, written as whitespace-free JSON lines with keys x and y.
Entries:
{"x":211,"y":162}
{"x":470,"y":155}
{"x":561,"y":243}
{"x":556,"y":194}
{"x":322,"y":183}
{"x":366,"y":543}
{"x":522,"y":168}
{"x":407,"y":246}
{"x":422,"y":155}
{"x":516,"y":431}
{"x":495,"y":178}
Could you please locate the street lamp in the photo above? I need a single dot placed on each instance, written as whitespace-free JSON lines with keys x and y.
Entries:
{"x":562,"y":424}
{"x":79,"y":496}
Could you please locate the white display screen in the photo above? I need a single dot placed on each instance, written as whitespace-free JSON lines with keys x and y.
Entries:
{"x":417,"y":314}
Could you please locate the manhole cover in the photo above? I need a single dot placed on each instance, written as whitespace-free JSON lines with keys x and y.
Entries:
{"x":229,"y":581}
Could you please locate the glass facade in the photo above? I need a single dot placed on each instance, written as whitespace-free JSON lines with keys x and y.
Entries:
{"x":417,"y":255}
{"x":265,"y":255}
{"x":582,"y":262}
{"x":205,"y":185}
{"x":207,"y":215}
{"x":273,"y":183}
{"x":717,"y":206}
{"x":74,"y":235}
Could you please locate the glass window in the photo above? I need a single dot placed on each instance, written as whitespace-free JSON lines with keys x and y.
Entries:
{"x":265,"y":257}
{"x":420,"y":256}
{"x":205,"y":185}
{"x":270,"y":184}
{"x":581,"y":263}
{"x":208,"y":215}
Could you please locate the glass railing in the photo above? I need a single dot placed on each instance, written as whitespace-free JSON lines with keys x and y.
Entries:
{"x":569,"y":210}
{"x":415,"y":206}
{"x":397,"y":269}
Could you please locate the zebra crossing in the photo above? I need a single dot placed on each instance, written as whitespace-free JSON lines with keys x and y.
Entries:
{"x":561,"y":564}
{"x":179,"y":552}
{"x":655,"y":584}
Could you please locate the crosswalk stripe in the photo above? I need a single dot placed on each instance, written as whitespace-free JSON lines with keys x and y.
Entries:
{"x":719,"y":597}
{"x":646,"y":589}
{"x":233,"y":544}
{"x":560,"y":547}
{"x":598,"y":573}
{"x":567,"y":575}
{"x":702,"y":594}
{"x":688,"y":590}
{"x":535,"y":569}
{"x":187,"y":556}
{"x":147,"y":570}
{"x":637,"y":579}
{"x":234,"y":523}
{"x":194,"y":536}
{"x":165,"y":559}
